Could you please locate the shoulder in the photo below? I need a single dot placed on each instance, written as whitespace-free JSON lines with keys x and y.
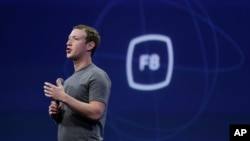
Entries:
{"x":98,"y":72}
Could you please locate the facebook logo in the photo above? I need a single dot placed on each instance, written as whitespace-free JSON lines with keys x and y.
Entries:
{"x":154,"y":61}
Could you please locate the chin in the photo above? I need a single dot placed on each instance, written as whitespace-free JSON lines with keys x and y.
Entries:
{"x":69,"y":57}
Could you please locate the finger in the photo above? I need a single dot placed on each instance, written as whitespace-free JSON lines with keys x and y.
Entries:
{"x":46,"y":92}
{"x":49,"y":84}
{"x":47,"y":88}
{"x":52,"y":106}
{"x":59,"y":82}
{"x":53,"y":110}
{"x":52,"y":113}
{"x":47,"y":95}
{"x":53,"y":103}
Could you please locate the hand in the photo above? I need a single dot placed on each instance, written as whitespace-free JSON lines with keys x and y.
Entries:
{"x":54,"y":92}
{"x":54,"y":109}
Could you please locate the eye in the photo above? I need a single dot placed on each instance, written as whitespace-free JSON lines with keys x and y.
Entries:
{"x":75,"y":38}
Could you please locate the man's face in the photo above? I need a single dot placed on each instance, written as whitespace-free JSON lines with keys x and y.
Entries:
{"x":76,"y":44}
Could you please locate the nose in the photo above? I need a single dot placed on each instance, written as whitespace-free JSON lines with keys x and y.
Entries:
{"x":68,"y":43}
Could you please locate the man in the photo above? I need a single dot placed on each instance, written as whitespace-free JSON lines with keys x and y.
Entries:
{"x":80,"y":104}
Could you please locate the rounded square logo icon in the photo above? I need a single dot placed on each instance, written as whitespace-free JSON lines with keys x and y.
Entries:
{"x":145,"y":60}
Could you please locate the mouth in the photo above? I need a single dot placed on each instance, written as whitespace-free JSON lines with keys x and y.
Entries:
{"x":68,"y":50}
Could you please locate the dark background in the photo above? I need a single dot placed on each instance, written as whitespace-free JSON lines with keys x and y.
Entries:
{"x":209,"y":87}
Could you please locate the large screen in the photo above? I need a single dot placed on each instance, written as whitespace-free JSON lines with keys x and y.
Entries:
{"x":179,"y":69}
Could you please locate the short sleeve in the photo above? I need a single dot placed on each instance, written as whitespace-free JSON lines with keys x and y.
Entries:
{"x":99,"y":87}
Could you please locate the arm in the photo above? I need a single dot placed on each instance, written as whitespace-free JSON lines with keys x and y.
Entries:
{"x":92,"y":110}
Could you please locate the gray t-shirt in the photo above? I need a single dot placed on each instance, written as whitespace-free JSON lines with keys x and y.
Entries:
{"x":88,"y":84}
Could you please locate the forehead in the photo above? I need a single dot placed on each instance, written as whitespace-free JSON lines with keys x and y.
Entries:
{"x":78,"y":33}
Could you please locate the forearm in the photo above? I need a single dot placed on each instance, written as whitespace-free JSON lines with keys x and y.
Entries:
{"x":92,"y":110}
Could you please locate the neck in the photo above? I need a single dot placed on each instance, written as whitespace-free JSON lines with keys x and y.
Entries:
{"x":79,"y":64}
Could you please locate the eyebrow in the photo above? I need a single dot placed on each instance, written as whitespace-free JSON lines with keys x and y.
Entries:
{"x":74,"y":36}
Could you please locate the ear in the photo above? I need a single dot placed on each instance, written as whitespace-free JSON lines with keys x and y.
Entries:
{"x":90,"y":45}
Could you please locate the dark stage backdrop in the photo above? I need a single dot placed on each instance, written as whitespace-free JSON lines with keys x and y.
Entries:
{"x":179,"y":69}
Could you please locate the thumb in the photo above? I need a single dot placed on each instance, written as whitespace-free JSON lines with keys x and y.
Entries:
{"x":59,"y":82}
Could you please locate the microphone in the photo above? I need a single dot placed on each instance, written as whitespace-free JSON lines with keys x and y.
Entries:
{"x":59,"y":80}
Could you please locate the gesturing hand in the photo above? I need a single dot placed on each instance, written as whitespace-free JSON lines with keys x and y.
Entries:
{"x":54,"y":92}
